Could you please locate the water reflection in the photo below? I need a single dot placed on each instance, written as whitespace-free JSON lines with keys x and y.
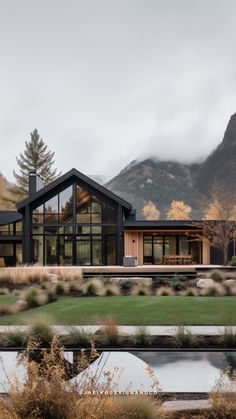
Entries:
{"x":176,"y":371}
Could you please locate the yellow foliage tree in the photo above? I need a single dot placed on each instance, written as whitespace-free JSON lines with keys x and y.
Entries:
{"x":150,"y":211}
{"x":179,"y":211}
{"x":220,"y":210}
{"x":6,"y":197}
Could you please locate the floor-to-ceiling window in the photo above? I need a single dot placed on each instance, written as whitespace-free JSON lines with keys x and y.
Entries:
{"x":155,"y":247}
{"x":11,"y":243}
{"x":75,"y":227}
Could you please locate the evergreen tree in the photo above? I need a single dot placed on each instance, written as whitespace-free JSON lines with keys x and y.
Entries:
{"x":36,"y":156}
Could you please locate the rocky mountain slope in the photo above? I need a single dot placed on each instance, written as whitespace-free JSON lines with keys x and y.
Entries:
{"x":164,"y":181}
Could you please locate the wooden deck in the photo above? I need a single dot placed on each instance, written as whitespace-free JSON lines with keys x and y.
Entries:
{"x":146,"y":270}
{"x":142,"y":270}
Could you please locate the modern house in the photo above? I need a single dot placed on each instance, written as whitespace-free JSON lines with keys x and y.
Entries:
{"x":75,"y":221}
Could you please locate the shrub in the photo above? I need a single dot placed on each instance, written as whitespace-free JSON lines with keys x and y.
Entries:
{"x":214,"y":290}
{"x":228,"y":337}
{"x":126,"y":285}
{"x":5,"y":309}
{"x":216,"y":275}
{"x":94,"y":287}
{"x":34,"y":297}
{"x":110,"y":332}
{"x":14,"y":338}
{"x":59,"y":288}
{"x":230,"y":286}
{"x":143,"y":287}
{"x":112,"y":289}
{"x":163,"y":280}
{"x":139,"y":407}
{"x":164,"y":292}
{"x":73,"y":287}
{"x":177,"y":285}
{"x":223,"y":399}
{"x":47,"y":394}
{"x":41,"y":330}
{"x":183,"y":337}
{"x":233,"y":261}
{"x":4,"y":291}
{"x":190,"y":292}
{"x":77,"y":336}
{"x":142,"y":336}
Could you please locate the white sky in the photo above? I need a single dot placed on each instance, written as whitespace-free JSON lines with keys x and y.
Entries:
{"x":108,"y":81}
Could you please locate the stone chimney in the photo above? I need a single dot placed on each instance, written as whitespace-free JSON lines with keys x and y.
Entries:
{"x":35,"y":182}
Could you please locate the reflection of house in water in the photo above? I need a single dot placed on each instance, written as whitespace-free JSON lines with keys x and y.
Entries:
{"x":216,"y":359}
{"x":75,"y":221}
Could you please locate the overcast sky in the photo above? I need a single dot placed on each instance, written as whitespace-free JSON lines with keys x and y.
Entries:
{"x":108,"y":81}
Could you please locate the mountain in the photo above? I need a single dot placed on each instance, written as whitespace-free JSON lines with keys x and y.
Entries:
{"x":220,"y":166}
{"x":165,"y":181}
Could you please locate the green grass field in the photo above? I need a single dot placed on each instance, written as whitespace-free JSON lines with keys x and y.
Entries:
{"x":133,"y":310}
{"x":8,"y":299}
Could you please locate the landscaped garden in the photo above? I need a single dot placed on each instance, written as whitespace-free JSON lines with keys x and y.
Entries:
{"x":132,"y":310}
{"x":68,"y":299}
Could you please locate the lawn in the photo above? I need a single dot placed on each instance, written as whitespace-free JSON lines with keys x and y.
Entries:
{"x":133,"y":310}
{"x":8,"y":299}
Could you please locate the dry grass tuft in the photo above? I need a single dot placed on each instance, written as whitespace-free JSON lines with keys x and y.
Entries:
{"x":47,"y":394}
{"x":214,"y":290}
{"x":216,"y":275}
{"x":112,"y":289}
{"x":142,"y":287}
{"x":142,"y":336}
{"x":110,"y":332}
{"x":223,"y":397}
{"x":140,"y":407}
{"x":8,"y":309}
{"x":93,"y":287}
{"x":165,"y":292}
{"x":190,"y":292}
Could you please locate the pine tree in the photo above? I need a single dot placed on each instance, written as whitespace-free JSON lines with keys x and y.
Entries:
{"x":36,"y":156}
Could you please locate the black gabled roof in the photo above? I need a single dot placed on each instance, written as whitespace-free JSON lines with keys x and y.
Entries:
{"x":75,"y":174}
{"x":163,"y":224}
{"x":7,"y":217}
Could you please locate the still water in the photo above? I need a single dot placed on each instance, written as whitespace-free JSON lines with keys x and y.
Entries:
{"x":140,"y":371}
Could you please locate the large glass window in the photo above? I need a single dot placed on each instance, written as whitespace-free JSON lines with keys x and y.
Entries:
{"x":51,"y":252}
{"x":66,"y":205}
{"x":12,"y":229}
{"x":38,"y":215}
{"x":75,"y":227}
{"x":83,"y":251}
{"x":38,"y":249}
{"x":51,"y":210}
{"x":157,"y":250}
{"x":147,"y":250}
{"x":111,"y":250}
{"x":170,"y":245}
{"x":183,"y":246}
{"x":5,"y":230}
{"x":155,"y":247}
{"x":65,"y":251}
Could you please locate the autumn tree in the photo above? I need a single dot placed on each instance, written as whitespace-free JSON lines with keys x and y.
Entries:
{"x":179,"y":211}
{"x":220,"y":220}
{"x":150,"y":211}
{"x":36,"y":156}
{"x":224,"y":210}
{"x":5,"y":196}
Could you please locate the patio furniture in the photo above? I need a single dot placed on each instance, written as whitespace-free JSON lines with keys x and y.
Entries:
{"x":177,"y":259}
